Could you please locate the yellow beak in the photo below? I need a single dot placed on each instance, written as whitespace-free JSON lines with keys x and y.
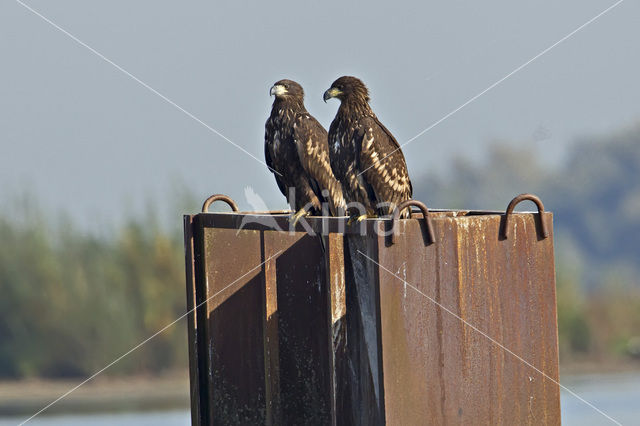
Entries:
{"x":331,"y":93}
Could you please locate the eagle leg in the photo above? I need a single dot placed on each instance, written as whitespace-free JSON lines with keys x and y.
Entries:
{"x":299,"y":214}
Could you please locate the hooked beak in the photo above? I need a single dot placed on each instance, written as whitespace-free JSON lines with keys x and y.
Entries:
{"x":277,"y":90}
{"x":331,"y":93}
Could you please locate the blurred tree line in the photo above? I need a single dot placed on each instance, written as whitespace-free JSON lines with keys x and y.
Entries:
{"x":71,"y":301}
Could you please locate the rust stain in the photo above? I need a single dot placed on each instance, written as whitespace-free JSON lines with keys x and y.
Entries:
{"x":440,"y":340}
{"x":460,"y":234}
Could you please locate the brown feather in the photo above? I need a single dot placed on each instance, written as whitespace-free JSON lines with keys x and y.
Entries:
{"x":358,"y":144}
{"x":296,"y":147}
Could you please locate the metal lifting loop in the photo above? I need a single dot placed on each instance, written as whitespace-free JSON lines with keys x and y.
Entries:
{"x":425,"y":213}
{"x":219,"y":197}
{"x":522,"y":197}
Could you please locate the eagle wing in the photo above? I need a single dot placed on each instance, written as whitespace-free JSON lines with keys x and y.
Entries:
{"x":382,"y":164}
{"x":268,"y":147}
{"x":313,"y":150}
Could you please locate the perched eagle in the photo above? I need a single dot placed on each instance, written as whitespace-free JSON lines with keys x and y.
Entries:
{"x":296,"y":150}
{"x":364,"y":155}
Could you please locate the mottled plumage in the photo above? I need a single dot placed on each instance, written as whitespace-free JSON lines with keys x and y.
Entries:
{"x":295,"y":148}
{"x":364,"y":155}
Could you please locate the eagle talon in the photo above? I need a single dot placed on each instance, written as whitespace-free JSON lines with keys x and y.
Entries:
{"x":365,"y":216}
{"x":299,"y":215}
{"x":360,"y":218}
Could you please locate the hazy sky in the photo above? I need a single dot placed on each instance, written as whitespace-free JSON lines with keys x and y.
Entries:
{"x":85,"y":137}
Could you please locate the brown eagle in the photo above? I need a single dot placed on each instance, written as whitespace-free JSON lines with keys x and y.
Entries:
{"x":364,"y":155}
{"x":296,"y":150}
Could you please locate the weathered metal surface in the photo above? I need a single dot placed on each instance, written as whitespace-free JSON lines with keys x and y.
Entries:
{"x":192,"y":327}
{"x":262,"y":353}
{"x":234,"y":326}
{"x":337,"y":327}
{"x":271,"y":340}
{"x":352,"y":329}
{"x":441,"y":341}
{"x":302,"y":327}
{"x":364,"y":348}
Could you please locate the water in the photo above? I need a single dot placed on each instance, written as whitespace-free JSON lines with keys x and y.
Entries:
{"x":151,"y":418}
{"x":618,"y":395}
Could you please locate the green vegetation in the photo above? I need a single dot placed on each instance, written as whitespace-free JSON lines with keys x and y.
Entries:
{"x":71,"y":302}
{"x":601,"y":325}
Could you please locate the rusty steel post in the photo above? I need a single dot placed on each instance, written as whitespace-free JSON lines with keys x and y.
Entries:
{"x":445,"y":322}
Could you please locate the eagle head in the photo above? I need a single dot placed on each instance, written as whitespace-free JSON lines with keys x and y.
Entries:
{"x":347,"y":87}
{"x":287,"y":89}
